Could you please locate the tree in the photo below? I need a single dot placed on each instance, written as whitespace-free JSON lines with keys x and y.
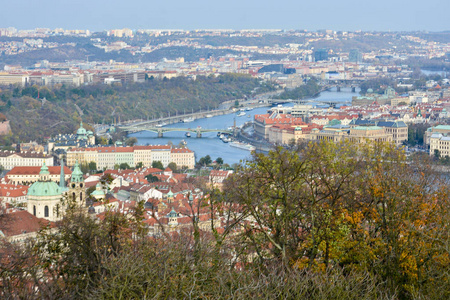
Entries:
{"x":124,"y":166}
{"x":139,"y":165}
{"x":358,"y":206}
{"x":219,"y":160}
{"x":157,"y":164}
{"x":151,"y":178}
{"x":92,"y":166}
{"x":437,"y":154}
{"x":172,"y":166}
{"x":131,"y":141}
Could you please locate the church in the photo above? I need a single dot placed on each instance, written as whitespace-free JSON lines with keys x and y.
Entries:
{"x":44,"y":196}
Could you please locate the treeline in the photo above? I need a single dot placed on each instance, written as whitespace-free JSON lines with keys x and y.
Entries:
{"x":310,"y":89}
{"x":34,"y":119}
{"x":331,"y":221}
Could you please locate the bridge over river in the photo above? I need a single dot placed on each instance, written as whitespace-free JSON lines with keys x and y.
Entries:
{"x":160,"y":130}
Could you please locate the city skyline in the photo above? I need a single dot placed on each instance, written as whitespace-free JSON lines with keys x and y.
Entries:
{"x":346,"y":15}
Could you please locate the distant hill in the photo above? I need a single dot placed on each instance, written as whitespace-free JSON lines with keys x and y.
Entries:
{"x":31,"y":119}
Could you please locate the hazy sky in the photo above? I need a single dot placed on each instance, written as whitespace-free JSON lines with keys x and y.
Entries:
{"x":98,"y":15}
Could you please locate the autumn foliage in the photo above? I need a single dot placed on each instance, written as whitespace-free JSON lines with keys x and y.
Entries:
{"x":330,"y":221}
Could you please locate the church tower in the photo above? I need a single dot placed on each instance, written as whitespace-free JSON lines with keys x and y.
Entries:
{"x":77,"y":191}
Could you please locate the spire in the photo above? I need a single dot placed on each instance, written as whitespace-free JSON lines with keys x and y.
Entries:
{"x":62,"y":178}
{"x":77,"y":175}
{"x":44,"y":173}
{"x":44,"y":170}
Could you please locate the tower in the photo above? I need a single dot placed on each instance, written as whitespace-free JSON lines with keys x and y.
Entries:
{"x":76,"y":186}
{"x":62,"y":178}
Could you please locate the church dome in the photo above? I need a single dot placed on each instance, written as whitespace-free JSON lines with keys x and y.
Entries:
{"x":81,"y":130}
{"x":44,"y":186}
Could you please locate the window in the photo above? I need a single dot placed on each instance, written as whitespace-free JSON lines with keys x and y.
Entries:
{"x":34,"y":210}
{"x":46,"y":211}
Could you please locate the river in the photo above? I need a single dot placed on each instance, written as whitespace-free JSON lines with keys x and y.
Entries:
{"x":210,"y":144}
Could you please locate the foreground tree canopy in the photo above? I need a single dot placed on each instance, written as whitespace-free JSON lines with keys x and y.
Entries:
{"x":331,"y":221}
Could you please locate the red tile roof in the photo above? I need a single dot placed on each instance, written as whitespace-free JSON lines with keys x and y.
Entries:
{"x":35,"y":170}
{"x":19,"y":222}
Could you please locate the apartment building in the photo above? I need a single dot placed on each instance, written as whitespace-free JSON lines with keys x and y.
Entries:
{"x":108,"y":157}
{"x":11,"y":159}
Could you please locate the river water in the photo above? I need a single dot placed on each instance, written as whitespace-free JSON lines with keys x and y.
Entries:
{"x":210,"y":144}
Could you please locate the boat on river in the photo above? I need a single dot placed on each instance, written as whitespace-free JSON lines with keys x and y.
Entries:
{"x":243,"y":146}
{"x":188,"y":120}
{"x":241,"y":114}
{"x":188,"y":134}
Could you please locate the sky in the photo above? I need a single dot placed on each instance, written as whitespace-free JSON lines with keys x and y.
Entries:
{"x":345,"y":15}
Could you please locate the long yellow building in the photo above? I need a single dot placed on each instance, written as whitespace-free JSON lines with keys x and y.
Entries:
{"x":108,"y":157}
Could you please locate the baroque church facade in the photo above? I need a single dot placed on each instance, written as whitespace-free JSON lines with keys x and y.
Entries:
{"x":45,"y":196}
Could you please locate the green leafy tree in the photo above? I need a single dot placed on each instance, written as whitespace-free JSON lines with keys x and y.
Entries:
{"x":124,"y":166}
{"x":157,"y":164}
{"x":172,"y":166}
{"x":131,"y":141}
{"x":151,"y":178}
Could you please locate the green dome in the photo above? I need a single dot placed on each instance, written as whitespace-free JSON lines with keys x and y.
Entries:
{"x":98,"y":191}
{"x":81,"y":130}
{"x":173,"y":214}
{"x":44,"y":188}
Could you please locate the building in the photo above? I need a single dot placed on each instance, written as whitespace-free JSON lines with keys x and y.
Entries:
{"x":355,"y":56}
{"x":46,"y":199}
{"x":285,"y":134}
{"x":444,"y":130}
{"x":183,"y":157}
{"x":81,"y":139}
{"x":7,"y":79}
{"x":440,"y":143}
{"x":262,"y":123}
{"x":13,"y":195}
{"x":359,"y":134}
{"x":398,"y":129}
{"x":11,"y":159}
{"x":29,"y":175}
{"x":122,"y":77}
{"x":20,"y":226}
{"x":321,"y":55}
{"x":108,"y":157}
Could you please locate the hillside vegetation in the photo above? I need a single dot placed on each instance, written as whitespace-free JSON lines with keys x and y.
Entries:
{"x":32,"y":118}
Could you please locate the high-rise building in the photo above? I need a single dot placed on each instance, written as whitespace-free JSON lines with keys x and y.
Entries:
{"x":321,"y":54}
{"x":355,"y":56}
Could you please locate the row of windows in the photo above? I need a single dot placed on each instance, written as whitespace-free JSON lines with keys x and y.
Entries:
{"x":46,"y":211}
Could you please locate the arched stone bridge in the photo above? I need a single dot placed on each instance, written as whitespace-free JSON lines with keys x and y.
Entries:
{"x":160,"y":130}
